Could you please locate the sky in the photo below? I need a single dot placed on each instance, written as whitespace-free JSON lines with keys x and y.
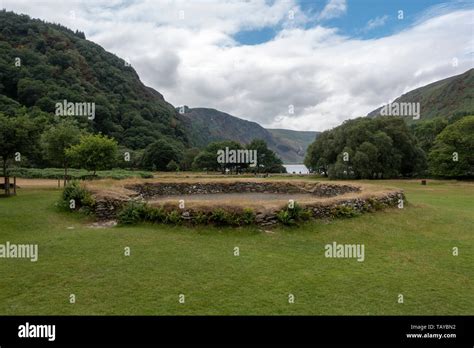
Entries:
{"x":294,"y":64}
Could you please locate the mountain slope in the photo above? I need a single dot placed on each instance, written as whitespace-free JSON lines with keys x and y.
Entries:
{"x":443,"y":98}
{"x":208,"y":125}
{"x":299,"y":140}
{"x":42,"y":64}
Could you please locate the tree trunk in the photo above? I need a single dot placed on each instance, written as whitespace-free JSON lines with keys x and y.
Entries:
{"x":4,"y":167}
{"x":5,"y":173}
{"x":65,"y":175}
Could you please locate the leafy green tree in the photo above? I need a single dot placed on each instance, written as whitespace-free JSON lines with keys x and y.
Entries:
{"x":452,"y":154}
{"x":426,"y":131}
{"x":188,"y":158}
{"x":29,"y":91}
{"x":208,"y":158}
{"x":17,"y":136}
{"x":94,"y":152}
{"x":56,"y":140}
{"x":267,"y":160}
{"x":172,"y":166}
{"x":384,"y":148}
{"x":159,"y":154}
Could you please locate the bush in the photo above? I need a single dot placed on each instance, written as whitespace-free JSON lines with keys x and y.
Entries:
{"x":174,"y":217}
{"x":284,"y":216}
{"x":344,"y":211}
{"x":201,"y":218}
{"x":156,"y":215}
{"x":248,"y":216}
{"x":234,"y":219}
{"x":75,"y":191}
{"x":132,"y":213}
{"x":219,"y":217}
{"x":289,"y":216}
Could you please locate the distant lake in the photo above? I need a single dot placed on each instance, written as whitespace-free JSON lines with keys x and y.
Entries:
{"x":297,"y":168}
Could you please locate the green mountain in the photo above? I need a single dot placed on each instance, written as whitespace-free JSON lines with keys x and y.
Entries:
{"x":445,"y":98}
{"x":289,"y":139}
{"x":42,"y":64}
{"x":208,"y":125}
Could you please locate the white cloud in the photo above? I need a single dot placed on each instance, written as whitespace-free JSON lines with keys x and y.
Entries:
{"x":376,"y":22}
{"x":326,"y":76}
{"x":333,"y":9}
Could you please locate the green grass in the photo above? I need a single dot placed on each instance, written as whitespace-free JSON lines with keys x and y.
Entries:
{"x":407,"y":251}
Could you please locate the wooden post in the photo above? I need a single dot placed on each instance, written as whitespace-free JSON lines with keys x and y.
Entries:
{"x":14,"y":185}
{"x":7,"y":185}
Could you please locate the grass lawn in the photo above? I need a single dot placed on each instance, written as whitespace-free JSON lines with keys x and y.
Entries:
{"x":407,"y":251}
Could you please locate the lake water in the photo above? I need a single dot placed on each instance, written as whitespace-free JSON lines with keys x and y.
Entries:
{"x":297,"y":168}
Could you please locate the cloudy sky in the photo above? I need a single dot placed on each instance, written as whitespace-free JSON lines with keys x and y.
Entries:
{"x":297,"y":64}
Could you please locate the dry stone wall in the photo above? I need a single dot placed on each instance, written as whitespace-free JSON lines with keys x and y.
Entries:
{"x":148,"y":190}
{"x":106,"y":208}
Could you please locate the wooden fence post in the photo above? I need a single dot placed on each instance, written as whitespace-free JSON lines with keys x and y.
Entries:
{"x":7,"y":185}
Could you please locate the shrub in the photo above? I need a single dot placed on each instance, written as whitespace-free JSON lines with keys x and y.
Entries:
{"x":248,"y":216}
{"x":290,"y":216}
{"x":344,"y":211}
{"x":174,"y":217}
{"x":156,"y":215}
{"x":234,"y":219}
{"x":219,"y":217}
{"x":284,"y":216}
{"x":75,"y":191}
{"x":132,"y":213}
{"x":201,"y":218}
{"x":305,"y":214}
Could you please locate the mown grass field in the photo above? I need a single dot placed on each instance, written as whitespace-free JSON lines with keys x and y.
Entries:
{"x":407,"y":251}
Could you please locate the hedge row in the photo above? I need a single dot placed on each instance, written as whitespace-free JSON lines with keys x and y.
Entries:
{"x":58,"y":173}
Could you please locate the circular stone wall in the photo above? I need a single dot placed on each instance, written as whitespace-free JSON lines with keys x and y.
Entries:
{"x":192,"y":199}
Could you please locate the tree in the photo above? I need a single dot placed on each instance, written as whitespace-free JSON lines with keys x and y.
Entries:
{"x":56,"y":140}
{"x":158,"y":154}
{"x":383,"y":147}
{"x":266,"y":158}
{"x":208,"y":158}
{"x":17,"y":135}
{"x":452,"y":154}
{"x":94,"y":152}
{"x":427,"y":130}
{"x":172,"y":166}
{"x":29,"y":91}
{"x":188,"y":158}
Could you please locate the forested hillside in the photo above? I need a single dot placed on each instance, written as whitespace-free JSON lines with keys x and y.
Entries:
{"x":42,"y":64}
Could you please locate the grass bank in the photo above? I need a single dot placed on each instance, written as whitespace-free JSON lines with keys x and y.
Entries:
{"x":407,"y":251}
